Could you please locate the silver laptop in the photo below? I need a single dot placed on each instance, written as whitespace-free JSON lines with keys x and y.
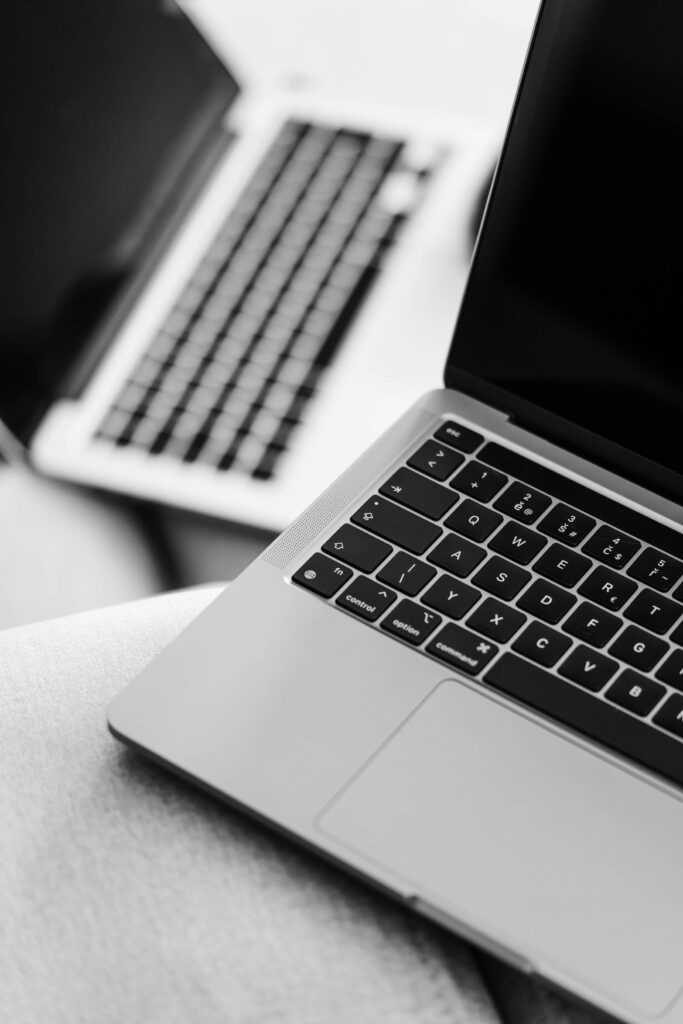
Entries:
{"x":195,"y":273}
{"x":459,"y":674}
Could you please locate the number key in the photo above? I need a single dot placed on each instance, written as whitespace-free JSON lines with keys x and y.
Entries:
{"x":657,"y":569}
{"x":566,"y":524}
{"x":478,"y":480}
{"x":522,"y":503}
{"x":611,"y":547}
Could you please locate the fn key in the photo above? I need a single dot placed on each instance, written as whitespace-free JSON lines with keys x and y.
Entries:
{"x":322,"y":575}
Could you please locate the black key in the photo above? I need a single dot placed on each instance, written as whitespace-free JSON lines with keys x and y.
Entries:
{"x":424,"y":496}
{"x":671,"y":671}
{"x":678,"y":593}
{"x":566,"y":524}
{"x":573,"y":707}
{"x":473,"y":520}
{"x":479,"y":481}
{"x":357,"y":548}
{"x":546,"y":601}
{"x":657,"y":569}
{"x":611,"y":547}
{"x":522,"y":502}
{"x":457,"y":555}
{"x":322,"y":575}
{"x":462,"y":649}
{"x":462,"y":438}
{"x":501,"y":578}
{"x":607,"y":588}
{"x":654,"y":611}
{"x":496,"y":620}
{"x":635,"y":692}
{"x":541,"y":643}
{"x":588,"y":668}
{"x":436,"y":460}
{"x":638,"y":648}
{"x":592,"y":624}
{"x":562,"y":565}
{"x":670,"y":715}
{"x":677,"y":635}
{"x":599,"y":505}
{"x":451,"y":596}
{"x":406,"y":574}
{"x":397,"y":525}
{"x":411,"y":622}
{"x":366,"y":598}
{"x":518,"y":543}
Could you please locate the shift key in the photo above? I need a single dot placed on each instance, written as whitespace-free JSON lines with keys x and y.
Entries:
{"x":397,"y":525}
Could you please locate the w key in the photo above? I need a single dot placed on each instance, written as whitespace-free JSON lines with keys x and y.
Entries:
{"x":418,"y":493}
{"x":517,"y":543}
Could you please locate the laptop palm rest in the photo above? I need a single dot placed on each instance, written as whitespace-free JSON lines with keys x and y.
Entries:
{"x":485,"y":812}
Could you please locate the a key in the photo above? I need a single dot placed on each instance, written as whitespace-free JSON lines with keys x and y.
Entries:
{"x":406,"y":573}
{"x":473,"y":520}
{"x":357,"y":548}
{"x":566,"y":524}
{"x":656,"y":569}
{"x":411,"y":622}
{"x":546,"y":601}
{"x":611,"y":547}
{"x":496,"y":620}
{"x":462,"y":438}
{"x":607,"y":588}
{"x":479,"y":481}
{"x":397,"y":525}
{"x":638,"y":648}
{"x":522,"y":502}
{"x":322,"y":575}
{"x":462,"y":649}
{"x":421,"y":495}
{"x":562,"y":565}
{"x":457,"y":555}
{"x":541,"y":643}
{"x":436,"y":460}
{"x":653,"y":610}
{"x":592,"y":624}
{"x":366,"y":598}
{"x":634,"y":692}
{"x":588,"y":668}
{"x":501,"y":578}
{"x":517,"y":543}
{"x":451,"y":596}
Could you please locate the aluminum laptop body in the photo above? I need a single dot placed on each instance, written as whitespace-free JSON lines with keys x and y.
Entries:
{"x":458,"y":673}
{"x":138,"y":353}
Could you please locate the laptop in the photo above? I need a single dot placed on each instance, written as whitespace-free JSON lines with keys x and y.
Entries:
{"x":459,"y":674}
{"x":194,"y":271}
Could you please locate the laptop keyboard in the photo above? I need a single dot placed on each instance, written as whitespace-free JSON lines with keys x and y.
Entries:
{"x":228,"y":377}
{"x":554,"y":594}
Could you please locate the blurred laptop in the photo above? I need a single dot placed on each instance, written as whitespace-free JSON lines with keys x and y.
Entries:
{"x":194,"y":273}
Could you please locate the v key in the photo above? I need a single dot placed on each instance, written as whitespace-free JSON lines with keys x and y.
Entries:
{"x":588,"y":668}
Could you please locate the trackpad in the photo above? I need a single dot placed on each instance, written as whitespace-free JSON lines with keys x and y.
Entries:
{"x":529,"y":838}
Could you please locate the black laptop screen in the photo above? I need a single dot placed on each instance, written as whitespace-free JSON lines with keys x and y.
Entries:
{"x":103,"y":102}
{"x":572,"y":316}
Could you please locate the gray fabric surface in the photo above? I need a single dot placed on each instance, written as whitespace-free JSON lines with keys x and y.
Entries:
{"x":127,"y":895}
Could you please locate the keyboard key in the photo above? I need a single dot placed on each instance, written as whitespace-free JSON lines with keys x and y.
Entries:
{"x":522,"y":502}
{"x":436,"y":460}
{"x":451,"y":596}
{"x":566,"y":524}
{"x":496,"y":620}
{"x":457,"y":555}
{"x":572,"y":706}
{"x":366,"y":598}
{"x":406,"y":574}
{"x":635,"y":692}
{"x":461,"y":649}
{"x":654,"y":611}
{"x":397,"y":525}
{"x":501,"y":578}
{"x":518,"y":543}
{"x":607,"y":588}
{"x":670,"y":715}
{"x":577,"y":495}
{"x":562,"y":565}
{"x":611,"y":547}
{"x":357,"y":548}
{"x":411,"y":622}
{"x":546,"y":601}
{"x":462,"y":438}
{"x":322,"y":575}
{"x":592,"y":624}
{"x":479,"y":481}
{"x":656,"y":569}
{"x":541,"y":643}
{"x":671,"y":671}
{"x":424,"y":496}
{"x":473,"y":520}
{"x":638,"y":648}
{"x":588,"y":668}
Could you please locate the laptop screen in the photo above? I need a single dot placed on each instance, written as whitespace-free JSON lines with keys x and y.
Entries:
{"x":102,"y":105}
{"x":572,"y":316}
